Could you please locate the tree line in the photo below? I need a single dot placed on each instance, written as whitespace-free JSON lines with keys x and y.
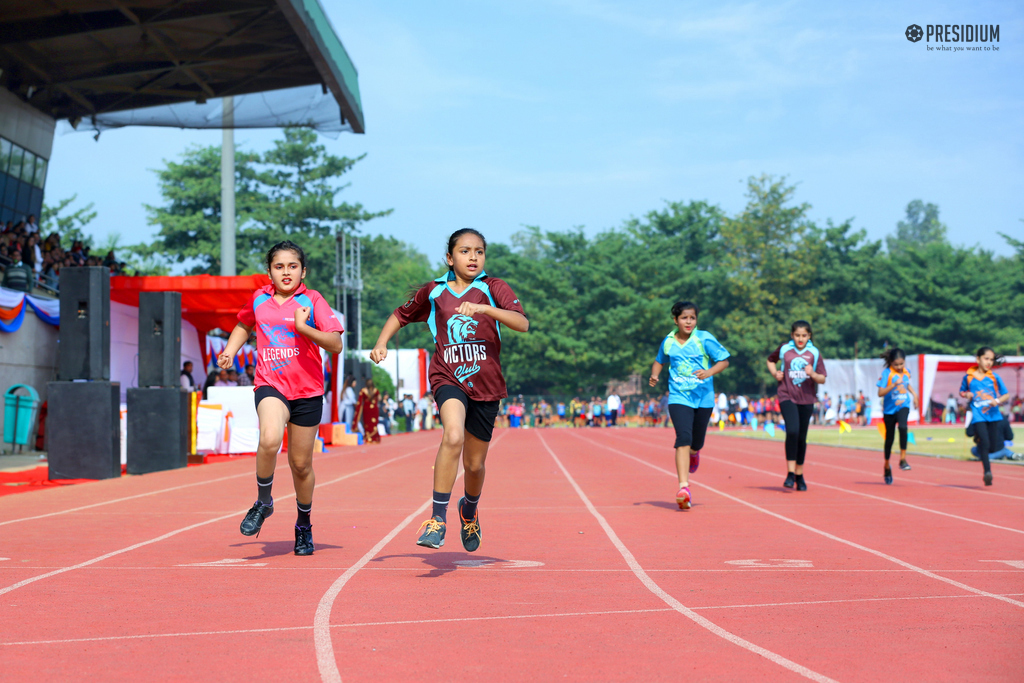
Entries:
{"x":599,"y":305}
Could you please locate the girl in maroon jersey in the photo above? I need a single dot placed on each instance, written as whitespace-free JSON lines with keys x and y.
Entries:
{"x":465,"y":311}
{"x":801,"y":369}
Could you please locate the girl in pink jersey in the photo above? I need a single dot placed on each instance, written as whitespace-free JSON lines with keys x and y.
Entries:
{"x":465,"y":311}
{"x":292,"y":324}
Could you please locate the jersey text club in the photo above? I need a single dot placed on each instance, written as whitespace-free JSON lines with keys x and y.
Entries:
{"x":468,"y":347}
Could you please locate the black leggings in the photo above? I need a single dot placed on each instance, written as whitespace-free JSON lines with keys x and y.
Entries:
{"x":797,"y":417}
{"x":891,"y":420}
{"x":691,"y":425}
{"x":990,"y":438}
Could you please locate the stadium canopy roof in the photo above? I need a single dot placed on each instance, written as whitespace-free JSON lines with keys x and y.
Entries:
{"x":109,"y":63}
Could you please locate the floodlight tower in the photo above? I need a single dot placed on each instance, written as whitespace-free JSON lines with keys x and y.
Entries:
{"x":348,"y":254}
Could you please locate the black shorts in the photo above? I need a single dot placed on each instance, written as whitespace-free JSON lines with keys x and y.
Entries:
{"x":304,"y":412}
{"x":479,"y":414}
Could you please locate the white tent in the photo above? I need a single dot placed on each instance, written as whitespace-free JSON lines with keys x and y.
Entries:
{"x":935,"y":376}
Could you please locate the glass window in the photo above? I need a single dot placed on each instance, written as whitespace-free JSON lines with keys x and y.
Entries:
{"x":21,"y":206}
{"x":16,"y":155}
{"x":40,"y":179}
{"x":5,"y":155}
{"x":3,"y":184}
{"x":28,"y":167}
{"x":11,"y":192}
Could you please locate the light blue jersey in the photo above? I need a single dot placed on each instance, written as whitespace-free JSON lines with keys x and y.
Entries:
{"x":700,"y":351}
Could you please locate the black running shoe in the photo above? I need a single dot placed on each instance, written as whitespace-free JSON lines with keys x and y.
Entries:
{"x":470,"y":532}
{"x":790,"y":480}
{"x":433,"y":533}
{"x":904,"y":465}
{"x":253,"y":521}
{"x":801,"y":485}
{"x":304,"y":540}
{"x":988,"y":478}
{"x":888,"y":475}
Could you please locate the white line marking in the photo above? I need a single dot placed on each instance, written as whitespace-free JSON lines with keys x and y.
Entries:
{"x":901,"y":478}
{"x":671,"y":601}
{"x":169,"y":534}
{"x":788,"y":564}
{"x":1019,"y":564}
{"x":231,"y":562}
{"x":538,"y":569}
{"x":877,"y":553}
{"x":884,"y":500}
{"x":150,"y":493}
{"x":413,"y":622}
{"x":501,"y":564}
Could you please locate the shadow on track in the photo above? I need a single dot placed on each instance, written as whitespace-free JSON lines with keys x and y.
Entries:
{"x":279,"y":548}
{"x":446,"y":562}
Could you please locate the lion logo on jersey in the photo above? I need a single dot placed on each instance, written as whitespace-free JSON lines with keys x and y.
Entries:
{"x":798,"y":371}
{"x":461,"y":328}
{"x":278,"y":335}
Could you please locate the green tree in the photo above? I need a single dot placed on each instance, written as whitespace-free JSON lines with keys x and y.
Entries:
{"x":921,"y":228}
{"x":189,"y":221}
{"x":69,"y":224}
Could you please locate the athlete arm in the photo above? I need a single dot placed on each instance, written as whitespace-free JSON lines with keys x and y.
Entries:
{"x":712,"y":371}
{"x":655,"y":371}
{"x":882,"y":391}
{"x":328,"y":341}
{"x":380,"y":349}
{"x":238,"y":337}
{"x":776,"y":373}
{"x":510,"y":319}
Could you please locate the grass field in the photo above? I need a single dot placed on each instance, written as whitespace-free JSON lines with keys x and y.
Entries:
{"x":950,"y":442}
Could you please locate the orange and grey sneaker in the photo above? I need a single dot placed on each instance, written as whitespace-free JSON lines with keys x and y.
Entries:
{"x":683,"y":498}
{"x":433,"y":533}
{"x":471,"y":536}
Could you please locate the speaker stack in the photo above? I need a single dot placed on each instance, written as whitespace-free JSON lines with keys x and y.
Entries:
{"x":84,"y":423}
{"x":159,"y":428}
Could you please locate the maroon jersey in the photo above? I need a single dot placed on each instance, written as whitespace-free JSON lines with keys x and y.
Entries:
{"x":796,"y":385}
{"x":468,"y":348}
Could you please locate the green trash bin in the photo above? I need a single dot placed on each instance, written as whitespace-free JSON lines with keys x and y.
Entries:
{"x":19,"y":414}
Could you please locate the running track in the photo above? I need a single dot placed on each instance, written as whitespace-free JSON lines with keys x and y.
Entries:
{"x":587,"y":571}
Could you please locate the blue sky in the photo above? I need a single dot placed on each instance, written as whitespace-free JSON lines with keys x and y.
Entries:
{"x":584,"y":113}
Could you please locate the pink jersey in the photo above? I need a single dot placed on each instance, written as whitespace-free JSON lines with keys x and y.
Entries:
{"x":285,"y":360}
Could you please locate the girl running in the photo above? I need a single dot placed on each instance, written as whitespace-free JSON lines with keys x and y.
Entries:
{"x":898,"y":398}
{"x":465,"y":310}
{"x":800,"y":361}
{"x":292,"y":323}
{"x":689,"y":353}
{"x":986,"y":392}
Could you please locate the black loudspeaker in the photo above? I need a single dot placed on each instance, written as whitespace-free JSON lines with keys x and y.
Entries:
{"x":159,"y":429}
{"x":84,"y":349}
{"x":159,"y":339}
{"x":83,"y":430}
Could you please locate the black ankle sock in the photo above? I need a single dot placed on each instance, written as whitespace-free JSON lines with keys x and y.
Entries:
{"x":263,"y":486}
{"x":469,"y":509}
{"x":303,"y":517}
{"x":441,"y":505}
{"x":799,"y":477}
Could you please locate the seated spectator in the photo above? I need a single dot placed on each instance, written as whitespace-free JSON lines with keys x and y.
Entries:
{"x":247,"y":378}
{"x":187,"y":382}
{"x":232,"y":377}
{"x":223,"y":380}
{"x":1004,"y":452}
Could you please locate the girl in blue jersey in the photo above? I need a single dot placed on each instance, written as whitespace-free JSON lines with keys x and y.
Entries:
{"x":898,"y":397}
{"x":986,"y":392}
{"x":693,"y":357}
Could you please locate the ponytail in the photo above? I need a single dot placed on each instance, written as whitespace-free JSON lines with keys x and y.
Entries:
{"x":892,"y":355}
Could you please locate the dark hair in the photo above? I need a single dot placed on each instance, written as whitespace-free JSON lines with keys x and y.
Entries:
{"x":680,"y":306}
{"x":801,"y":324}
{"x":997,"y":359}
{"x":892,"y":355}
{"x":454,"y":238}
{"x":286,"y":245}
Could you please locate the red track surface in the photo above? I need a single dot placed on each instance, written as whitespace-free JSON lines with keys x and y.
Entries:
{"x":587,"y":571}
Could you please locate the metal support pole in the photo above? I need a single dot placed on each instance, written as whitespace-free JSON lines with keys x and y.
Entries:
{"x":227,"y":190}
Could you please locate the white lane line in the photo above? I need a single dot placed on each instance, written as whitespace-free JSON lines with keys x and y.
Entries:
{"x":150,"y":493}
{"x":326,"y":662}
{"x":671,"y":601}
{"x":877,"y":553}
{"x":745,"y":570}
{"x":901,"y":478}
{"x":504,"y":617}
{"x":169,"y":534}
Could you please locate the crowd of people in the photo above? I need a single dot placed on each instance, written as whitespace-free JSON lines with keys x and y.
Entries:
{"x":22,"y":245}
